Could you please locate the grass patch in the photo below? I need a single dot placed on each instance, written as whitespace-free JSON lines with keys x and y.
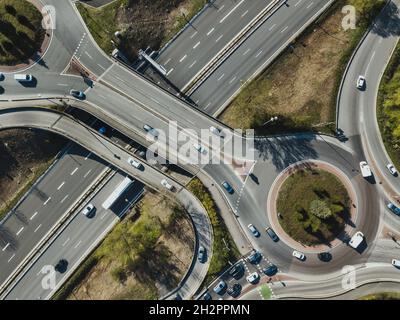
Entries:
{"x":382,"y":296}
{"x":224,"y":248}
{"x":266,"y":292}
{"x":21,"y":32}
{"x":143,"y":257}
{"x":301,"y":85}
{"x":314,"y":206}
{"x":142,"y":23}
{"x":388,"y":108}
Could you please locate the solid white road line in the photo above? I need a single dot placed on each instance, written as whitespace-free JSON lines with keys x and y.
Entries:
{"x":61,"y":185}
{"x":230,"y":12}
{"x":34,"y":215}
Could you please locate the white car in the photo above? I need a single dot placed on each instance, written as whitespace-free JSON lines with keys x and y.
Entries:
{"x":253,"y":230}
{"x":151,"y":130}
{"x":166,"y":184}
{"x":396,"y":263}
{"x":360,"y":82}
{"x":88,"y":210}
{"x":298,"y":255}
{"x":134,"y":163}
{"x":356,"y":239}
{"x":199,"y":148}
{"x":253,"y":277}
{"x":216,"y":131}
{"x":392,"y":169}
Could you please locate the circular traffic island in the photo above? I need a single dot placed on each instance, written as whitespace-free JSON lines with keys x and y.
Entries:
{"x":21,"y":32}
{"x":313,"y":206}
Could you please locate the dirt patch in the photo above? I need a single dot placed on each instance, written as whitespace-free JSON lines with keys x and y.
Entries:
{"x":156,"y":269}
{"x":24,"y":155}
{"x":300,"y":87}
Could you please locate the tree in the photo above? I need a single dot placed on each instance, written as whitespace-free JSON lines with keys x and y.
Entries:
{"x":320,"y":209}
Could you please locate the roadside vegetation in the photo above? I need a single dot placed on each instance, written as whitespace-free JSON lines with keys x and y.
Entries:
{"x":314,"y":206}
{"x":142,"y":23}
{"x":143,"y":257}
{"x":224,"y":248}
{"x":301,"y":86}
{"x":21,"y":32}
{"x":24,"y":156}
{"x":388,"y":108}
{"x":382,"y":296}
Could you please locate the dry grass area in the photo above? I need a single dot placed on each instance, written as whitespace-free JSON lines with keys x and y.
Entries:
{"x":24,"y":156}
{"x":142,"y":23}
{"x":156,"y":270}
{"x":301,"y":85}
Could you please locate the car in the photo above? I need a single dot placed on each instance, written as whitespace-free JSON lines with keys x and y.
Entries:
{"x":199,"y":148}
{"x":325,"y":256}
{"x":207,"y":296}
{"x":253,"y":230}
{"x":237,"y":271}
{"x":235,"y":290}
{"x":23,"y":77}
{"x":88,"y":210}
{"x":178,"y":297}
{"x":151,"y":130}
{"x":61,"y":266}
{"x":254,"y":257}
{"x":272,"y":234}
{"x":396,"y":263}
{"x":253,"y":277}
{"x":166,"y":184}
{"x":219,"y":288}
{"x":360,"y":82}
{"x":77,"y":94}
{"x":134,"y":163}
{"x":394,"y":209}
{"x":392,"y":169}
{"x":2,"y":76}
{"x":227,"y":187}
{"x":102,"y":130}
{"x":202,"y":254}
{"x":216,"y":131}
{"x":299,"y":255}
{"x":356,"y":239}
{"x":270,"y":271}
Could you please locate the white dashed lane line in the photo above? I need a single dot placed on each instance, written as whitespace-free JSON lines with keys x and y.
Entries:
{"x":37,"y":228}
{"x":61,"y":185}
{"x":75,"y":170}
{"x":196,"y":45}
{"x":272,"y":27}
{"x":193,"y":63}
{"x":284,"y":29}
{"x":6,"y":246}
{"x":219,"y":38}
{"x":87,"y":173}
{"x":11,"y":257}
{"x":77,"y":245}
{"x":211,"y":31}
{"x":309,"y":6}
{"x":65,"y":198}
{"x":33,"y":216}
{"x":44,"y":203}
{"x":19,"y":231}
{"x":230,"y":12}
{"x":183,"y":58}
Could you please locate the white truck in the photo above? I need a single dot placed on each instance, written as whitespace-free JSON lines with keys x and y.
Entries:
{"x":356,"y":240}
{"x":365,"y":169}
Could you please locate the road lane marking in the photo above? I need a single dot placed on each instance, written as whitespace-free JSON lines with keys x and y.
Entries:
{"x":88,"y":55}
{"x":194,"y":62}
{"x":219,"y":38}
{"x":7,"y":245}
{"x":166,"y":62}
{"x":246,"y":52}
{"x":257,"y":55}
{"x":11,"y":257}
{"x":87,"y":173}
{"x":233,"y":79}
{"x":310,"y":5}
{"x":230,"y":12}
{"x":244,"y":13}
{"x":102,"y":217}
{"x":61,"y":185}
{"x":192,"y":36}
{"x":273,"y":26}
{"x":172,"y":69}
{"x":66,"y":241}
{"x":284,"y":29}
{"x":19,"y":231}
{"x":34,"y":215}
{"x":221,"y":7}
{"x":207,"y":106}
{"x":196,"y":45}
{"x":101,"y":66}
{"x":73,"y":172}
{"x":37,"y":228}
{"x":44,"y":203}
{"x":62,"y":84}
{"x":221,"y":77}
{"x":88,"y":155}
{"x":211,"y":31}
{"x":369,"y":63}
{"x":77,"y":245}
{"x":183,"y":58}
{"x":63,"y":199}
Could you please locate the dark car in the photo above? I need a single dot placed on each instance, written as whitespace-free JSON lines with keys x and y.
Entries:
{"x":272,"y":234}
{"x":270,"y":271}
{"x":235,"y":290}
{"x":394,"y":209}
{"x":220,"y":287}
{"x":255,"y":257}
{"x":227,"y":187}
{"x":325,"y":256}
{"x":237,"y":271}
{"x":202,"y":254}
{"x":61,"y":266}
{"x":207,"y":296}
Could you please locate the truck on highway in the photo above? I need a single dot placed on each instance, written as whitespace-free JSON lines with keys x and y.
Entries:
{"x":356,"y":240}
{"x":365,"y":169}
{"x":117,"y":192}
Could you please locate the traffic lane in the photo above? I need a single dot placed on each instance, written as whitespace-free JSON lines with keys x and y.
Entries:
{"x":260,"y":47}
{"x":41,"y":210}
{"x":186,"y":57}
{"x":76,"y":241}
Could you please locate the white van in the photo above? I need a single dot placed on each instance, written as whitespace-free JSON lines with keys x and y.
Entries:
{"x":356,"y":240}
{"x":23,"y":77}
